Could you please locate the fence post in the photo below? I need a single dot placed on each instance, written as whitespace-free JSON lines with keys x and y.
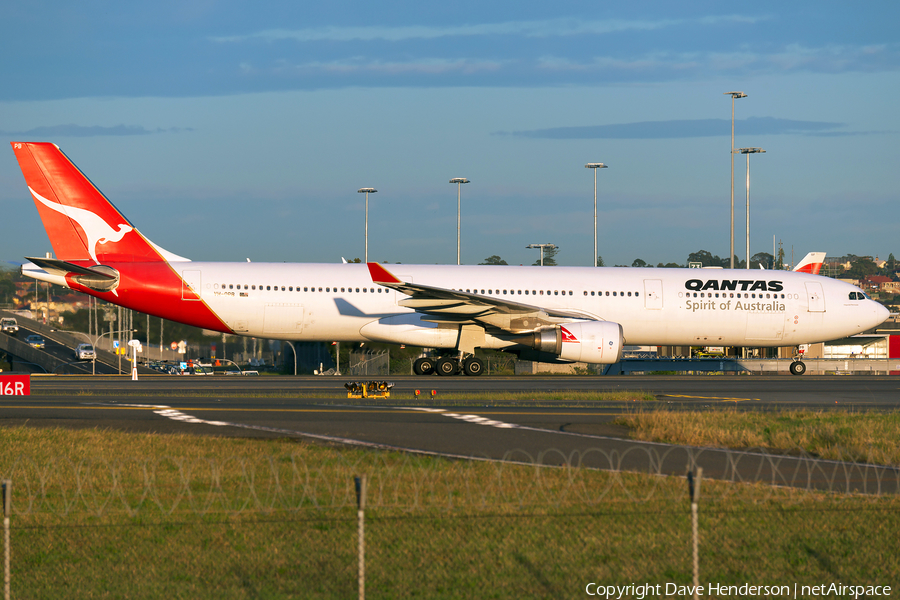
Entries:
{"x":361,"y":535}
{"x":694,"y":490}
{"x":7,"y":508}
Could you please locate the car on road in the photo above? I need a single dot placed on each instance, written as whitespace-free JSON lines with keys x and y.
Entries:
{"x":85,"y":352}
{"x":35,"y":341}
{"x":9,"y":326}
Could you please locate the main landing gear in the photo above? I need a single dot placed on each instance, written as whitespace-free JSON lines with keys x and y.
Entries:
{"x":449,"y":365}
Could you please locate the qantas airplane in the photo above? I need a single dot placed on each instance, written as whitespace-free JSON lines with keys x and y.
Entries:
{"x":560,"y":314}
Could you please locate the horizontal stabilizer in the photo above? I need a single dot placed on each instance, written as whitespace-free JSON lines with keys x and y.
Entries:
{"x":99,"y":278}
{"x":61,"y":267}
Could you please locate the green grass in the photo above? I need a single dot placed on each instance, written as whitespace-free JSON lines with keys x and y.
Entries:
{"x":104,"y":514}
{"x":872,"y":437}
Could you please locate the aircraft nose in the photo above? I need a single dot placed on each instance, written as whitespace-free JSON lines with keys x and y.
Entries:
{"x":880,"y":315}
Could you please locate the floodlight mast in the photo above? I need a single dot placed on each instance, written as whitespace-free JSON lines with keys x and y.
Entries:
{"x":542,"y":246}
{"x":733,"y":96}
{"x":748,"y":152}
{"x":367,"y":191}
{"x":458,"y":181}
{"x":595,"y":166}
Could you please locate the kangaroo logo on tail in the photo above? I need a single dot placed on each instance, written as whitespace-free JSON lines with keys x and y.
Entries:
{"x":96,"y":229}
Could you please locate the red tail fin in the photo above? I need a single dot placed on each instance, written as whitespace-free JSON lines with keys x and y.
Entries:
{"x":811,"y":263}
{"x":80,"y":222}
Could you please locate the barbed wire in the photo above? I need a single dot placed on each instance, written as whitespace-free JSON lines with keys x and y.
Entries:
{"x":168,"y":485}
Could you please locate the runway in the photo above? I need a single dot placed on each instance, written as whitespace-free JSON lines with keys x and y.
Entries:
{"x":552,"y":433}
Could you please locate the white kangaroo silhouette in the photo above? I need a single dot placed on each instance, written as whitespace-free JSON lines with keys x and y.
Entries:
{"x":96,"y":229}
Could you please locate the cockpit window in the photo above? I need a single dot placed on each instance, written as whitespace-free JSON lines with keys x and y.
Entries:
{"x":858,"y":296}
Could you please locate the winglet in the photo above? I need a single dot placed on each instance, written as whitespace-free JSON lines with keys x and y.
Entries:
{"x":381,"y":275}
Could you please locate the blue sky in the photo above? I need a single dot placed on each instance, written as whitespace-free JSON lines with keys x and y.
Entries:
{"x":227,"y":130}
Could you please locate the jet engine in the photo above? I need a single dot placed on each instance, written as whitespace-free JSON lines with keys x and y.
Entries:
{"x":597,"y":342}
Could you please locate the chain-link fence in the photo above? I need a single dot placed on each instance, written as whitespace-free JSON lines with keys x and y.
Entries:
{"x":286,"y":525}
{"x":373,"y":363}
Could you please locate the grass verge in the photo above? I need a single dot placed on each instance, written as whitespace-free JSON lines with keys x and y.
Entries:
{"x":107,"y":514}
{"x":871,"y":437}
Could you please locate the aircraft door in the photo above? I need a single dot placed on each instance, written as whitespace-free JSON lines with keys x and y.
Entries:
{"x":815,"y":296}
{"x":653,"y":294}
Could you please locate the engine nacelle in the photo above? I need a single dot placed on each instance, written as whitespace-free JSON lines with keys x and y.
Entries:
{"x":597,"y":342}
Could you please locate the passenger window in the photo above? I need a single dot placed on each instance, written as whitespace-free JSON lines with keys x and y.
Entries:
{"x":268,"y":287}
{"x":615,"y":294}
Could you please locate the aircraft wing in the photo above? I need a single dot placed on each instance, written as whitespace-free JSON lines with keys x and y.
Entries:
{"x":443,"y":305}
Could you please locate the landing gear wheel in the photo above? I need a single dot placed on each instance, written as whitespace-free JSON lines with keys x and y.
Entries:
{"x":447,"y":366}
{"x":798,"y":368}
{"x":423,"y":366}
{"x":473,"y":366}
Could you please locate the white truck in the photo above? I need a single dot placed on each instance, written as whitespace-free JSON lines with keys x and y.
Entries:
{"x":9,"y":326}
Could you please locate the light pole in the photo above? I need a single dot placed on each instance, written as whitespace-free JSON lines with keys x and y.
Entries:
{"x":458,"y":181}
{"x":367,"y":192}
{"x":294,"y":350}
{"x":748,"y":152}
{"x":731,"y":150}
{"x":595,"y":166}
{"x":542,"y":246}
{"x":240,"y":370}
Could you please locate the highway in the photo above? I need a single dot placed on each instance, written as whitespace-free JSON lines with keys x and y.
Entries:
{"x":58,"y":354}
{"x":578,"y":433}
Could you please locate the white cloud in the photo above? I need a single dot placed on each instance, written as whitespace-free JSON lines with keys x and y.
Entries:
{"x":357,"y":64}
{"x":547,"y":28}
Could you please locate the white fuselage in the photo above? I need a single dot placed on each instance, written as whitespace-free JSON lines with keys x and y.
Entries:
{"x":720,"y":307}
